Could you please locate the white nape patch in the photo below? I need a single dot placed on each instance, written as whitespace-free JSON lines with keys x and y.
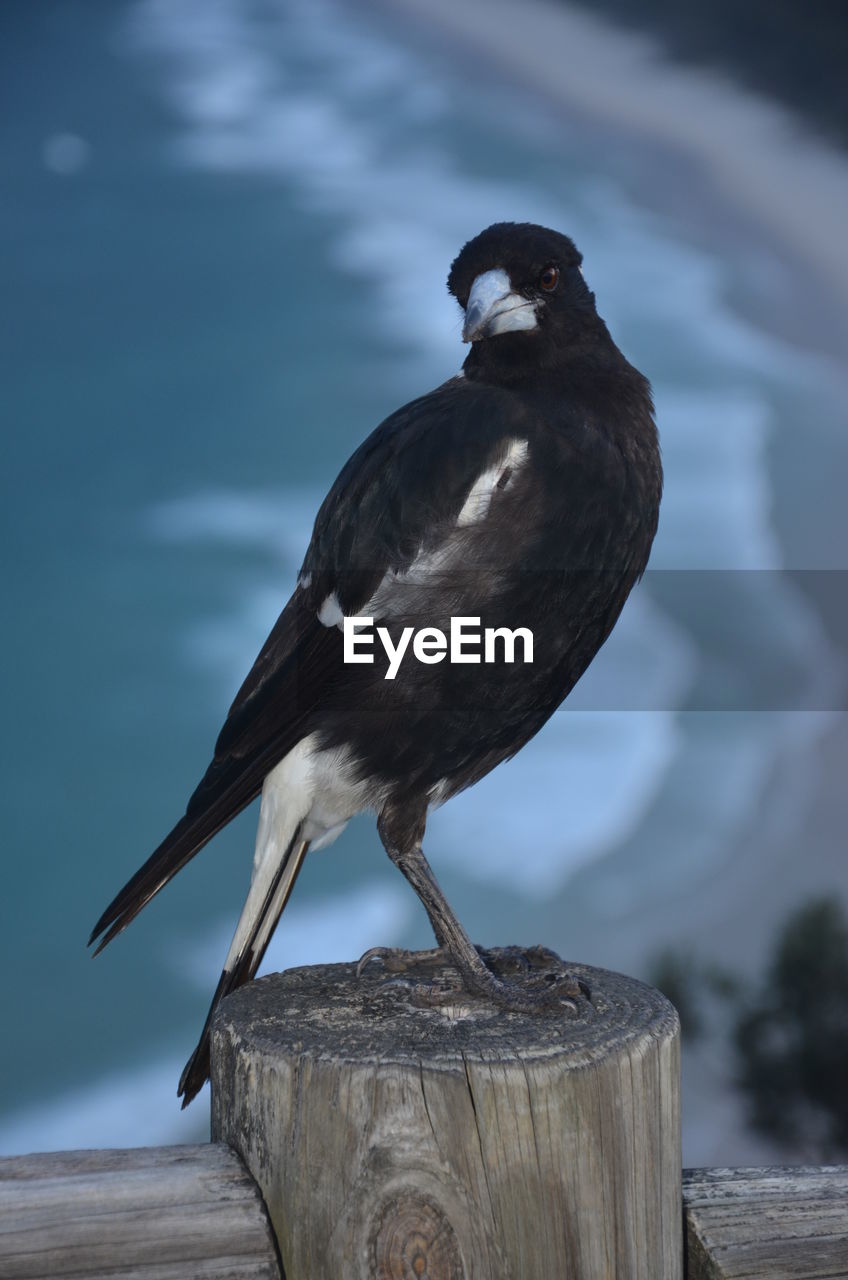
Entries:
{"x":330,"y":614}
{"x":305,"y":581}
{"x":485,"y":486}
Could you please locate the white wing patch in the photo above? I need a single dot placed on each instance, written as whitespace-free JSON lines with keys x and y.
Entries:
{"x":499,"y":476}
{"x":330,"y":614}
{"x":392,"y":594}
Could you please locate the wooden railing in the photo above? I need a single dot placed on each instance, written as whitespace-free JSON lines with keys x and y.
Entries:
{"x":151,"y":1213}
{"x":359,"y":1136}
{"x":766,"y":1224}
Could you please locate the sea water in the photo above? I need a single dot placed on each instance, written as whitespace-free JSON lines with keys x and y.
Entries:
{"x":231,"y":225}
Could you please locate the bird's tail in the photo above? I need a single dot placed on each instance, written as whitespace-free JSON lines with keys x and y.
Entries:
{"x":188,"y":837}
{"x":273,"y":880}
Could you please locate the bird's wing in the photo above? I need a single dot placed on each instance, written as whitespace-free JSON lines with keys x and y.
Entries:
{"x":404,"y":488}
{"x":392,"y":500}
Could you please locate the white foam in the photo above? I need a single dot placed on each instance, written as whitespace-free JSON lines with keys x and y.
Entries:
{"x":65,"y":154}
{"x":586,"y":780}
{"x":139,"y":1107}
{"x":279,"y":521}
{"x":716,"y":504}
{"x":353,"y":141}
{"x":329,"y":930}
{"x":576,"y":792}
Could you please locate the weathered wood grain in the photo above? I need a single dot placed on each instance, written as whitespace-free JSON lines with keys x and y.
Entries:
{"x":393,"y":1142}
{"x":766,"y":1224}
{"x":153,"y":1213}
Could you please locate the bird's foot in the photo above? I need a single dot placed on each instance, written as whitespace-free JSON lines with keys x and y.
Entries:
{"x":527,"y":980}
{"x":519,"y":980}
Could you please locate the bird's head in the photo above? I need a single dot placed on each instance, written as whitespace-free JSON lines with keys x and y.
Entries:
{"x":516,"y":278}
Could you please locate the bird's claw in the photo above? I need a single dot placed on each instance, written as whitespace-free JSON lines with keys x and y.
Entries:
{"x":560,"y":989}
{"x":445,"y":990}
{"x":399,"y":960}
{"x":543,"y":981}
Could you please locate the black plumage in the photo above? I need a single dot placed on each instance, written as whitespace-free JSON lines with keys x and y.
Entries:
{"x":524,"y":492}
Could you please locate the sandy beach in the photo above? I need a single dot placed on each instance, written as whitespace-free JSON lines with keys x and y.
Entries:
{"x":738,"y":147}
{"x":723,"y":156}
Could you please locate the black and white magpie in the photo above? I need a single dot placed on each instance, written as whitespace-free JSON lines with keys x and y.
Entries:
{"x":522,"y":493}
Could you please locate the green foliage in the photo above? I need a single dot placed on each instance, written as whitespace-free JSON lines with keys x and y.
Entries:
{"x":789,"y":1037}
{"x":677,"y":974}
{"x":690,"y":985}
{"x":791,"y":1040}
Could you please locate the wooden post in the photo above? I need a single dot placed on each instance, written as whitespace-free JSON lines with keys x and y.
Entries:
{"x":392,"y":1142}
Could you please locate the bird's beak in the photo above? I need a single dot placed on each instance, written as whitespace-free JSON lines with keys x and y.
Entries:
{"x":492,"y":307}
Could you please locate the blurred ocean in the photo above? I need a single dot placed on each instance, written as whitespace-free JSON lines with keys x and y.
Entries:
{"x":230,"y":227}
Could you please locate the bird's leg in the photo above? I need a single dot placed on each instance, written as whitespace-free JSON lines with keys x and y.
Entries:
{"x":402,"y":841}
{"x":399,"y":959}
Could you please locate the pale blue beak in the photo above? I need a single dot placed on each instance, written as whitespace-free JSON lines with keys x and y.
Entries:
{"x":493,"y":307}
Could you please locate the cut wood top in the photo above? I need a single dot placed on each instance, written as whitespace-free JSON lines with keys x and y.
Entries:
{"x":327,"y":1009}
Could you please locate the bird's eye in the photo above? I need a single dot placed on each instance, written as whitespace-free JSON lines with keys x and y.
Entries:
{"x":549,"y":279}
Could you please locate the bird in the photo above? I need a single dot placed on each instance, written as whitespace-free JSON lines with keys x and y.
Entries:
{"x":522,"y":494}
